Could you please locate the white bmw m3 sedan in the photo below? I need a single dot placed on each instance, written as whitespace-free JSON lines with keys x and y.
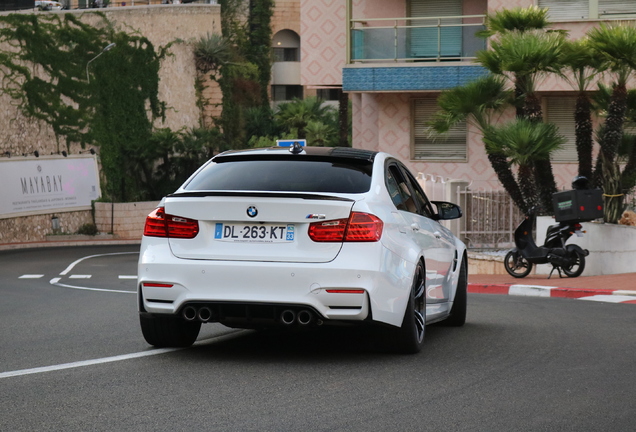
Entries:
{"x":299,"y":237}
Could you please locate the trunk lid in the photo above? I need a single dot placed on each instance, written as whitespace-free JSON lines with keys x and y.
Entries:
{"x":262,"y":226}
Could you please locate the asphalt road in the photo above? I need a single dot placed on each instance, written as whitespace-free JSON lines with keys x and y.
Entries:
{"x":73,"y":359}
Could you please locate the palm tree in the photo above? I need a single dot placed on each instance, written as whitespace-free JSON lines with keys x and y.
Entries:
{"x":297,"y":114}
{"x":475,"y":103}
{"x":615,"y":47}
{"x":515,"y":19}
{"x":580,"y":69}
{"x":524,"y":142}
{"x":211,"y":52}
{"x":524,"y":57}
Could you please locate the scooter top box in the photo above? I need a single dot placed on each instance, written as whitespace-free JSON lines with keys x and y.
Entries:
{"x":578,"y":205}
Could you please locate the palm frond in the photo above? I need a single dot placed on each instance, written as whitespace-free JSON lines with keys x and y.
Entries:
{"x":515,"y":19}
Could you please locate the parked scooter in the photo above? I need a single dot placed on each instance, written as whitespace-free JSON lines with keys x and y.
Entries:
{"x":571,"y":208}
{"x":569,"y":258}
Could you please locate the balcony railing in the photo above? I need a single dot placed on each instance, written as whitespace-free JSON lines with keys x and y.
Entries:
{"x":415,"y":39}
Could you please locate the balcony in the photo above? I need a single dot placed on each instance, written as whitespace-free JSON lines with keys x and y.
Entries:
{"x":412,"y":54}
{"x":416,"y":39}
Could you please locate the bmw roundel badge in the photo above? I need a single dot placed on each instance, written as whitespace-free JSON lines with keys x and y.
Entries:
{"x":251,"y":211}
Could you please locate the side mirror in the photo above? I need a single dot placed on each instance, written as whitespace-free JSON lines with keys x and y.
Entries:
{"x":447,"y":210}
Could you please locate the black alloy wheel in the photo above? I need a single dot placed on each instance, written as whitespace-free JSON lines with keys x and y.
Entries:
{"x":576,"y":268}
{"x":409,"y":338}
{"x":457,"y":316}
{"x":516,"y":265}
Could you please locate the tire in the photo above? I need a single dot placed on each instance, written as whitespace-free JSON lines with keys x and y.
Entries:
{"x":516,"y":265}
{"x":457,"y":316}
{"x":168,"y":331}
{"x":577,"y":268}
{"x":409,"y":338}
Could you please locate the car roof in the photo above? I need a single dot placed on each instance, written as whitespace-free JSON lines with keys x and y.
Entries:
{"x":283,"y":152}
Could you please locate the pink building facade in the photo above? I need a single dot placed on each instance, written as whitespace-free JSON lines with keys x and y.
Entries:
{"x":394,"y":58}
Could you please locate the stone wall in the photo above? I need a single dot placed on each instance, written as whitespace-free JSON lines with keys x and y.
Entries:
{"x":128,"y":221}
{"x":35,"y":229}
{"x":161,"y":24}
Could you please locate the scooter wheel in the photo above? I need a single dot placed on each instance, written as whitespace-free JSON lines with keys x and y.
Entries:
{"x":577,"y":268}
{"x":516,"y":265}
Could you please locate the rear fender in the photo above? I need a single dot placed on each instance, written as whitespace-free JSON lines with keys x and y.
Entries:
{"x":577,"y":248}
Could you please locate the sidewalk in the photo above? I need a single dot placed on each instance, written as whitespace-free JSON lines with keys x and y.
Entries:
{"x":618,"y":288}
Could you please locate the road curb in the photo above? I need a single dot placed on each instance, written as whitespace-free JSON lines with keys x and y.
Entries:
{"x":548,"y":291}
{"x":64,"y":243}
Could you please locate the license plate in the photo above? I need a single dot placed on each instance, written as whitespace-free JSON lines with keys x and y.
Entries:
{"x":258,"y":233}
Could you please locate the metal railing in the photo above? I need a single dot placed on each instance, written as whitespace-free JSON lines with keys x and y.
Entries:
{"x":416,"y":38}
{"x":490,"y":217}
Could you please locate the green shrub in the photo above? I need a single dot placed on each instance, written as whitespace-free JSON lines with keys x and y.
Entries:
{"x":88,"y":229}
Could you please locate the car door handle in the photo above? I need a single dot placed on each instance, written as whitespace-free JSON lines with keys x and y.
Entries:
{"x":415,"y":227}
{"x":437,"y":234}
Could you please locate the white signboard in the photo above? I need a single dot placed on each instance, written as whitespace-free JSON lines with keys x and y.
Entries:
{"x":49,"y":184}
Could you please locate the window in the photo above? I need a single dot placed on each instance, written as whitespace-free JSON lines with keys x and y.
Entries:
{"x":573,"y":10}
{"x":286,"y":92}
{"x":563,"y":10}
{"x":448,"y":147}
{"x":425,"y":208}
{"x":560,"y":111}
{"x":286,"y":55}
{"x":405,"y":192}
{"x":328,"y":94}
{"x":285,"y":174}
{"x":445,"y":41}
{"x":616,"y":7}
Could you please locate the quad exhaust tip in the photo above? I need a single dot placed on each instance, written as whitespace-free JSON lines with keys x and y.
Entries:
{"x":305,"y":317}
{"x":288,"y":317}
{"x":189,"y":313}
{"x":205,"y":314}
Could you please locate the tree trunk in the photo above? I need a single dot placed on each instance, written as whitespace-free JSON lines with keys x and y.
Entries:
{"x":343,"y":119}
{"x":527,"y":185}
{"x":501,"y":167}
{"x":584,"y":131}
{"x":612,"y":192}
{"x":546,"y":185}
{"x":613,"y":133}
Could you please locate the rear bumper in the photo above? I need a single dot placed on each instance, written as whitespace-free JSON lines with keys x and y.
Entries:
{"x":383,"y":276}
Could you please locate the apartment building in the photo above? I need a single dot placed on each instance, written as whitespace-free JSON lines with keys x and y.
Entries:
{"x":394,"y":58}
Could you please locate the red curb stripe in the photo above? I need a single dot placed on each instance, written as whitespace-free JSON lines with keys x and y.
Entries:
{"x":488,"y":289}
{"x":578,"y":292}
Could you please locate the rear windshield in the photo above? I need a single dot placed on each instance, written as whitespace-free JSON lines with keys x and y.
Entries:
{"x":285,"y":175}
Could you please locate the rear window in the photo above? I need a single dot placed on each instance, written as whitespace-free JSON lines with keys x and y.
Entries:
{"x":300,"y":175}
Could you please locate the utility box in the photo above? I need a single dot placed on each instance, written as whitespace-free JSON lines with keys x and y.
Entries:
{"x":578,"y":205}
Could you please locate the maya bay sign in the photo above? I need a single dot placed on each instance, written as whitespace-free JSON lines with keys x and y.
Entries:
{"x":48,"y":184}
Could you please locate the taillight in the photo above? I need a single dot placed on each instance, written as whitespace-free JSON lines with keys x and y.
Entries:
{"x":160,"y":224}
{"x":360,"y":227}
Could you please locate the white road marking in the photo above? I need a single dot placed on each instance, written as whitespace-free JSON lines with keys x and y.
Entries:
{"x":80,"y":276}
{"x":609,"y":298}
{"x":103,"y":360}
{"x":73,"y":264}
{"x":55,"y":282}
{"x":127,"y":277}
{"x":86,"y":362}
{"x":624,"y":293}
{"x":31,"y":276}
{"x":530,"y":290}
